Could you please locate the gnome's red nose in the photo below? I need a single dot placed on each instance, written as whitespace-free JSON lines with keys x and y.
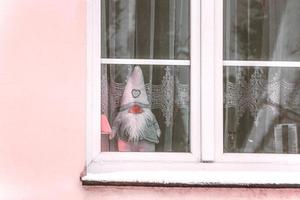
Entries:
{"x":135,"y":109}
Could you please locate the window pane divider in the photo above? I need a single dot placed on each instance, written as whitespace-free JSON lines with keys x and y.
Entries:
{"x":242,"y":63}
{"x":117,"y":61}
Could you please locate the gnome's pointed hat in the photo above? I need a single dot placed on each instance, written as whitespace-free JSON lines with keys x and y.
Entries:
{"x":135,"y":91}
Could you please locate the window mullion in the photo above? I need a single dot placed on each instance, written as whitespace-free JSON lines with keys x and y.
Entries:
{"x":195,"y":107}
{"x":207,"y":81}
{"x":218,"y":82}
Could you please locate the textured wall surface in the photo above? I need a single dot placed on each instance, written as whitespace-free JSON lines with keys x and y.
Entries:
{"x":42,"y":106}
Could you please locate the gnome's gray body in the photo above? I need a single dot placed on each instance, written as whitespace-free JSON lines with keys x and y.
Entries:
{"x":135,"y":125}
{"x":149,"y":131}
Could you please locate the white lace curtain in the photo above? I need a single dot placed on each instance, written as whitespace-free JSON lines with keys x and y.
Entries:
{"x":149,"y":29}
{"x":257,"y":100}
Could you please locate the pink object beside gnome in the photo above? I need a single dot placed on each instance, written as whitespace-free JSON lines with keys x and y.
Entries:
{"x":135,"y":125}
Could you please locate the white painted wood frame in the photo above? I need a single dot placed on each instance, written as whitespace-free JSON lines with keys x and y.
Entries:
{"x":93,"y":83}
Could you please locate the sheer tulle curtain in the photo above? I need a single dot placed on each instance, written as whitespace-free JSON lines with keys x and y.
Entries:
{"x":259,"y":30}
{"x":149,"y":29}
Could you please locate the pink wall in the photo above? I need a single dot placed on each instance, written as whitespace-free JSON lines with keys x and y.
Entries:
{"x":42,"y":110}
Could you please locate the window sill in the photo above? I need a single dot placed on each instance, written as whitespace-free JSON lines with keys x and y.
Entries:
{"x":193,"y":175}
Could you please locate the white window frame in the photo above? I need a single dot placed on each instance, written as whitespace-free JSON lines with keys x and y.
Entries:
{"x":206,"y":164}
{"x":94,"y":100}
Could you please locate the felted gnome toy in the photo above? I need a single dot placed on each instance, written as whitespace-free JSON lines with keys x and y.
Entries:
{"x":135,"y":125}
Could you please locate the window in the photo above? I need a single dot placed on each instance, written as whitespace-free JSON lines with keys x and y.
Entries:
{"x":261,"y":77}
{"x":260,"y":80}
{"x":146,"y":65}
{"x":219,"y":79}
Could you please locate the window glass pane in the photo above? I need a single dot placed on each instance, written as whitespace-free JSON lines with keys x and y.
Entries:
{"x":262,"y":30}
{"x":261,"y":110}
{"x":145,"y":29}
{"x":147,"y":107}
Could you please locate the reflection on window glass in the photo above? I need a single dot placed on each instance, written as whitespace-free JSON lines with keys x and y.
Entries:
{"x":262,"y":30}
{"x":158,"y":29}
{"x":261,"y":110}
{"x":146,"y":107}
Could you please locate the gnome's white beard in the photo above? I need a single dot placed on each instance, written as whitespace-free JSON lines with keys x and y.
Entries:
{"x":136,"y":124}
